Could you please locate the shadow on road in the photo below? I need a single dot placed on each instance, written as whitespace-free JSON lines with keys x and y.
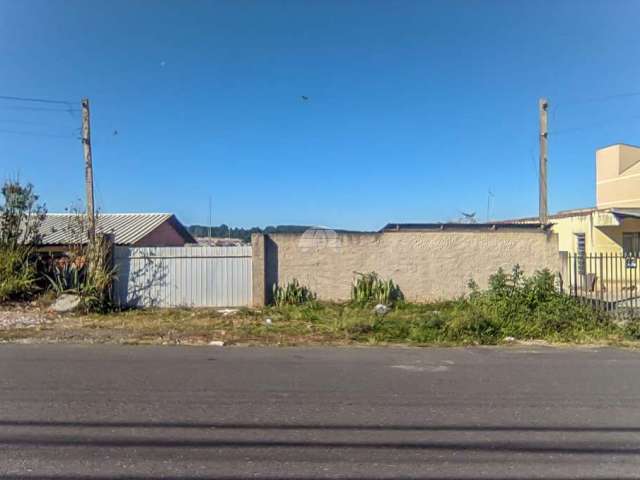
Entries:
{"x":279,"y":477}
{"x":302,"y":427}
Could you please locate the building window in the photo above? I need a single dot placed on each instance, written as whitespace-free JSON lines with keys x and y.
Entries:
{"x":582,"y":251}
{"x":631,"y":244}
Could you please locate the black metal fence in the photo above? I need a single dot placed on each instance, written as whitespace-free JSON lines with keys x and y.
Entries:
{"x":606,"y":281}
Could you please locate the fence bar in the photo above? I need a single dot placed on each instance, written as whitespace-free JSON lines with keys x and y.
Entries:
{"x":606,"y":274}
{"x":635,"y":284}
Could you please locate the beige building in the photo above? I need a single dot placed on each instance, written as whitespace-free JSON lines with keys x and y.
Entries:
{"x":613,"y":225}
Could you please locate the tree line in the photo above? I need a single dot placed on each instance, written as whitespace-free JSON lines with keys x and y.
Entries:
{"x":244,"y":234}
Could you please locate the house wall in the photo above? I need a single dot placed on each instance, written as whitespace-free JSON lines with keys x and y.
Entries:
{"x":618,"y":176}
{"x":163,"y":236}
{"x":427,"y":265}
{"x":601,"y":236}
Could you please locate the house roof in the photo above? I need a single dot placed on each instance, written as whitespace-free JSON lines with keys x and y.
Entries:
{"x":578,"y":212}
{"x":126,"y":228}
{"x":395,"y":227}
{"x":626,"y":212}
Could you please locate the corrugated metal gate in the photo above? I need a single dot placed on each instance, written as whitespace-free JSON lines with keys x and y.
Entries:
{"x":183,"y":276}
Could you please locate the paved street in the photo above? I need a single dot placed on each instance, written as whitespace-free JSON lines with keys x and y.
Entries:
{"x":76,"y":412}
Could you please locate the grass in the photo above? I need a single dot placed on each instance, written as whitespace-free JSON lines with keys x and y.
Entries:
{"x":317,"y":324}
{"x":526,"y":308}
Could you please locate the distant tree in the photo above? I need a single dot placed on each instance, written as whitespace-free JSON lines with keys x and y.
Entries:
{"x":20,"y":216}
{"x":242,"y":233}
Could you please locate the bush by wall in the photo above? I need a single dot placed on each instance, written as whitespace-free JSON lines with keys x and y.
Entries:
{"x":292,"y":294}
{"x":369,"y":288}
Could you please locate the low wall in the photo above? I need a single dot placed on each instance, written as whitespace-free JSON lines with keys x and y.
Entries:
{"x":427,"y":265}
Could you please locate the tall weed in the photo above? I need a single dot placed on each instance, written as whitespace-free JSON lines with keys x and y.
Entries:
{"x":369,"y":288}
{"x":292,"y":294}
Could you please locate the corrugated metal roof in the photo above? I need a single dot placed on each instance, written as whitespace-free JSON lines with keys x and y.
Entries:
{"x":127,"y":228}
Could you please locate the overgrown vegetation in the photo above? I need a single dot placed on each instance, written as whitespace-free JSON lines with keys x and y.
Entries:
{"x":370,"y":289}
{"x":85,"y":269}
{"x":513,"y":305}
{"x":292,"y":294}
{"x":20,"y":218}
{"x":522,"y":307}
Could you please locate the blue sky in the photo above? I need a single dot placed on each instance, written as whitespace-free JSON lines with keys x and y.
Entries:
{"x":415,"y":109}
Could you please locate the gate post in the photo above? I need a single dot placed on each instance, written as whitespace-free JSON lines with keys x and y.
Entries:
{"x":258,"y":259}
{"x":564,"y":269}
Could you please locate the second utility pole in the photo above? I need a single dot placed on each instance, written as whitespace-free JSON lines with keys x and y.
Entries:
{"x":88,"y":168}
{"x":543,"y":106}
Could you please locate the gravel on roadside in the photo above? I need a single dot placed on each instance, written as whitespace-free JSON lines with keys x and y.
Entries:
{"x":17,"y":316}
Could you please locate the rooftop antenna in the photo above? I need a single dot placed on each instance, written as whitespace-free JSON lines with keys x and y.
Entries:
{"x":210,"y":219}
{"x":490,"y":195}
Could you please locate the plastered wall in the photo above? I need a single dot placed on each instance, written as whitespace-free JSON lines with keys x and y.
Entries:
{"x":427,"y":265}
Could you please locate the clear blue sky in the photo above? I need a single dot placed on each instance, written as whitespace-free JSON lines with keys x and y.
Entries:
{"x":415,"y":110}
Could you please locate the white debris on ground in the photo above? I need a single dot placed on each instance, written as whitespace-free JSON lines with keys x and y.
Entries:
{"x":66,"y":303}
{"x":22,"y":316}
{"x":268,"y":321}
{"x":228,"y":311}
{"x":381,"y":309}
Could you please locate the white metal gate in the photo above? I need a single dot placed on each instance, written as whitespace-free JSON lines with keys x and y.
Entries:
{"x":183,"y":276}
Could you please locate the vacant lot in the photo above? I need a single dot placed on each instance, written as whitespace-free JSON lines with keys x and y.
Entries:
{"x":318,"y":324}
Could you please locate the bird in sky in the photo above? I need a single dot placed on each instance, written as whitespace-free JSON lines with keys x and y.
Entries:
{"x":304,"y":97}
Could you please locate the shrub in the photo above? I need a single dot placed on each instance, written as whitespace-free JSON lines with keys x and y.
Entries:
{"x":85,"y":270}
{"x":528,"y":307}
{"x":369,"y":288}
{"x":292,"y":294}
{"x":632,"y":329}
{"x":20,"y":218}
{"x":18,"y":274}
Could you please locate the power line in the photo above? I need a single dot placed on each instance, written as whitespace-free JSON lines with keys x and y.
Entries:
{"x":26,"y":122}
{"x":31,"y":99}
{"x":594,"y":125}
{"x":39,"y":109}
{"x":36,"y":134}
{"x":596,"y":99}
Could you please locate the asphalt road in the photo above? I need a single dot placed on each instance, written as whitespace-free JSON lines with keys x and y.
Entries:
{"x":76,"y":412}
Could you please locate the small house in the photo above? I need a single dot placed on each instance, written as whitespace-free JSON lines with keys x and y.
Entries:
{"x":59,"y":231}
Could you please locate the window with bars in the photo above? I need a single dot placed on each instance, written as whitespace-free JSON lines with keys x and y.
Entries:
{"x":582,"y":251}
{"x":631,"y":244}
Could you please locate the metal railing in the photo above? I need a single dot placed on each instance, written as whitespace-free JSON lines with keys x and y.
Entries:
{"x":606,"y":281}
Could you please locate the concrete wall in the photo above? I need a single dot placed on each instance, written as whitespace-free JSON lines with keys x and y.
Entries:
{"x":427,"y":265}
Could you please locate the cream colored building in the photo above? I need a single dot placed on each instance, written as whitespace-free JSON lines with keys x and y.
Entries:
{"x":613,"y":225}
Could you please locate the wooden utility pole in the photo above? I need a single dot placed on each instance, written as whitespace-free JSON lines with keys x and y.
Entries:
{"x":543,"y":106}
{"x":88,"y":168}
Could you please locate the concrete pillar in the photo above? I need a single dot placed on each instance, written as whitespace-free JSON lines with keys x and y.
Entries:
{"x":258,"y":260}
